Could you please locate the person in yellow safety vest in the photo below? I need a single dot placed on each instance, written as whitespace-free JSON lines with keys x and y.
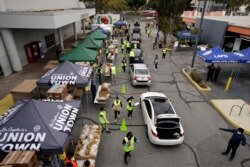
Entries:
{"x":127,"y":47}
{"x":131,"y":57}
{"x":164,"y":53}
{"x":117,"y":107}
{"x":128,"y":145}
{"x":113,"y":73}
{"x":135,"y":45}
{"x":123,"y":47}
{"x":103,"y":120}
{"x":124,"y":64}
{"x":130,"y":106}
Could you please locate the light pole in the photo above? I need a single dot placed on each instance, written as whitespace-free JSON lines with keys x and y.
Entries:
{"x":199,"y":33}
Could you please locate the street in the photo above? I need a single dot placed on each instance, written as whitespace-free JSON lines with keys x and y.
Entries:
{"x":203,"y":141}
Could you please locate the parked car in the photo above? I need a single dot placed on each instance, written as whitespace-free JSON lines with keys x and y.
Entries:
{"x":139,"y":75}
{"x":149,"y":13}
{"x":138,"y":56}
{"x":137,"y":43}
{"x":136,"y":37}
{"x":163,"y":124}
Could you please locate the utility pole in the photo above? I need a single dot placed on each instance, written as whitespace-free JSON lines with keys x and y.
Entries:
{"x":199,"y":33}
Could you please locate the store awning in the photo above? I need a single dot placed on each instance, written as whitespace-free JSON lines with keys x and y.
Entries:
{"x":66,"y":73}
{"x":38,"y":125}
{"x":80,"y":53}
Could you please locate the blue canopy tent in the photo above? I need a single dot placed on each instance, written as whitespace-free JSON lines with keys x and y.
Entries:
{"x":217,"y":55}
{"x":185,"y":34}
{"x":120,"y":23}
{"x":100,"y":29}
{"x":244,"y":55}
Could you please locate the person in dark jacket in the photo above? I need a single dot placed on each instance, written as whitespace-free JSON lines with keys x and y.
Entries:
{"x":210,"y":73}
{"x":236,"y":139}
{"x":216,"y":72}
{"x":93,"y":90}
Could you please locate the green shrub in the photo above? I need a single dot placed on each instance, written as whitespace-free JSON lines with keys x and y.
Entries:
{"x":196,"y":76}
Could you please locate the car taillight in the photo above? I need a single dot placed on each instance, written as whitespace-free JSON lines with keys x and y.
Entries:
{"x":135,"y":78}
{"x":153,"y":133}
{"x":149,"y":77}
{"x":182,"y":134}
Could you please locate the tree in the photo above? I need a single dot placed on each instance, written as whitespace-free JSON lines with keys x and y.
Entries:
{"x":104,"y":6}
{"x":169,"y":13}
{"x":135,"y":4}
{"x":152,"y":4}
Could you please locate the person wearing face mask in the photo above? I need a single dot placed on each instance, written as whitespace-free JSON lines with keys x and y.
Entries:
{"x":236,"y":139}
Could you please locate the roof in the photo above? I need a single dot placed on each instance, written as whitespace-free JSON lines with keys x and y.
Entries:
{"x":140,"y":66}
{"x":161,"y":106}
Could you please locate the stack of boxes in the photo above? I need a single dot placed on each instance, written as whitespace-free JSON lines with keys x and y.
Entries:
{"x":20,"y":159}
{"x":57,"y":92}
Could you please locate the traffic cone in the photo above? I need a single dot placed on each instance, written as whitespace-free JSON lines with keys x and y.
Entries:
{"x":123,"y":127}
{"x":119,"y":69}
{"x":123,"y":89}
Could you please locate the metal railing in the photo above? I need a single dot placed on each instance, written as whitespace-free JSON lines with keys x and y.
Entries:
{"x":241,"y":108}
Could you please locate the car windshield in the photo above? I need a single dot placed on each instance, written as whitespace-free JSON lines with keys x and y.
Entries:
{"x":141,"y":71}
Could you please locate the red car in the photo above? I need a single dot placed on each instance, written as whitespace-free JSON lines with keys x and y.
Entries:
{"x":149,"y":13}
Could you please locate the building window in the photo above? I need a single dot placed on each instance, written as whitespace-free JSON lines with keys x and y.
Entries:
{"x":50,"y":40}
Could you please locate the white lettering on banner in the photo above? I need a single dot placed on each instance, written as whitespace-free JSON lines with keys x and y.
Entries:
{"x":21,"y":141}
{"x":85,"y":72}
{"x":9,"y":147}
{"x":239,"y":54}
{"x":64,"y":120}
{"x":63,"y":79}
{"x":221,"y":56}
{"x":5,"y":117}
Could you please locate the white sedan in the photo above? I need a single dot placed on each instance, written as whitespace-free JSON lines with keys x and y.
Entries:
{"x":163,"y":124}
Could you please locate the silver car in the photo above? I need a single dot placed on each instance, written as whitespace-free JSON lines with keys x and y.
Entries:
{"x":139,"y":75}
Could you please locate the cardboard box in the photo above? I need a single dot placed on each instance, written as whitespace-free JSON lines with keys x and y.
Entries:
{"x":27,"y":159}
{"x":11,"y":158}
{"x":58,"y":92}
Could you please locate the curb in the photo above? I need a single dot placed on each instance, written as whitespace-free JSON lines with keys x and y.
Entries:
{"x":194,"y":83}
{"x":227,"y":118}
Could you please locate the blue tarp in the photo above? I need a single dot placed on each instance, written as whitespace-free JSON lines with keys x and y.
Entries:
{"x":185,"y":34}
{"x":217,"y":55}
{"x":244,"y":55}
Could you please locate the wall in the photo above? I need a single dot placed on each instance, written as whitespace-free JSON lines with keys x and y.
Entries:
{"x":25,"y":36}
{"x":213,"y":31}
{"x":35,"y":5}
{"x":4,"y":60}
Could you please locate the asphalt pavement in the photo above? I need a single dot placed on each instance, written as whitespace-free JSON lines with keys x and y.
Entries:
{"x":203,"y":142}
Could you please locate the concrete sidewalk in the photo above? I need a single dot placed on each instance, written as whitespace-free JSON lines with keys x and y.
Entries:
{"x":235,"y":111}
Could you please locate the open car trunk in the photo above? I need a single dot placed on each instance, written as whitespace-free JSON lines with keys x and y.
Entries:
{"x":168,"y":129}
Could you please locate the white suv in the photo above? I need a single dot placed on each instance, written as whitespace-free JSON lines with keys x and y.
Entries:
{"x":139,"y":75}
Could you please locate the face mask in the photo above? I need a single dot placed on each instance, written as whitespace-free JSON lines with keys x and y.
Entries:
{"x":239,"y":132}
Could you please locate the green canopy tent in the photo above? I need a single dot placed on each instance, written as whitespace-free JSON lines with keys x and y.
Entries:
{"x":80,"y":53}
{"x":97,"y":35}
{"x":91,"y":43}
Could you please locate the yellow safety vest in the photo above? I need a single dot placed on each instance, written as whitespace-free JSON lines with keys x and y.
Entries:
{"x":129,"y":145}
{"x":129,"y":108}
{"x":103,"y":117}
{"x":131,"y":54}
{"x":135,"y":45}
{"x":123,"y":46}
{"x":124,"y":64}
{"x":113,"y":71}
{"x":128,"y":45}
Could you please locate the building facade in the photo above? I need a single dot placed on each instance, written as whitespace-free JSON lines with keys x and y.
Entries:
{"x":28,"y":24}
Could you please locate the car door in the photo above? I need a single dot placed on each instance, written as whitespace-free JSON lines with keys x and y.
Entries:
{"x":131,"y":72}
{"x":147,"y":113}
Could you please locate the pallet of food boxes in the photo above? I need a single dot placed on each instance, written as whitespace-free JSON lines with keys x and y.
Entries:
{"x":102,"y":93}
{"x":87,"y":147}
